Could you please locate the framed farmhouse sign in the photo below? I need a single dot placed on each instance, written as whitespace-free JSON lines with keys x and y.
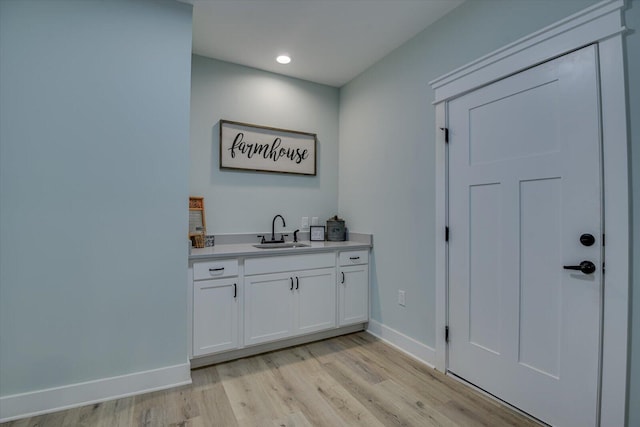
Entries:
{"x":266,"y":149}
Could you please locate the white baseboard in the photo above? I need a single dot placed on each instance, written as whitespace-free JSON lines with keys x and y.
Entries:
{"x":70,"y":396}
{"x":407,"y":345}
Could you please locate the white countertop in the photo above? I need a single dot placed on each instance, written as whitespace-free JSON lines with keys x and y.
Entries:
{"x":233,"y":250}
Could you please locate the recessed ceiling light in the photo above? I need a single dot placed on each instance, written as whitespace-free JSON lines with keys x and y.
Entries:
{"x":283,"y":59}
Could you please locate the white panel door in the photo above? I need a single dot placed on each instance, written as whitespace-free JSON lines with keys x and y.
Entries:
{"x":316,"y":300}
{"x":524,"y":185}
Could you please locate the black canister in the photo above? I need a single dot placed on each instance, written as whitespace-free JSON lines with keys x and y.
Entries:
{"x":335,"y":230}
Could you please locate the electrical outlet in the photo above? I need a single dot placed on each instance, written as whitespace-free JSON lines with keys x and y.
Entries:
{"x":314,"y":220}
{"x":401,"y":299}
{"x":304,"y":223}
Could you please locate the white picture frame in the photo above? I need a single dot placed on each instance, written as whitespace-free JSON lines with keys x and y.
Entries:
{"x":265,"y":149}
{"x":316,"y":233}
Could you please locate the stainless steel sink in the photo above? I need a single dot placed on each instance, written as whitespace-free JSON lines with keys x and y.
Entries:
{"x":280,"y":245}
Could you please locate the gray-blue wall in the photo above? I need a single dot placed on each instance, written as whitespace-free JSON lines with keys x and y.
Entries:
{"x":241,"y":201}
{"x":94,"y":143}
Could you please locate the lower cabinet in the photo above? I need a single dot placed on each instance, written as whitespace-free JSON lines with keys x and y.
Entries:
{"x":353,"y":294}
{"x":248,"y":301}
{"x":268,"y":313}
{"x":315,"y":294}
{"x":215,"y":315}
{"x":353,"y":287}
{"x":282,"y":305}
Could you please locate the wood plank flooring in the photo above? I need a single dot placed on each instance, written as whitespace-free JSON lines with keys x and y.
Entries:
{"x":353,"y":380}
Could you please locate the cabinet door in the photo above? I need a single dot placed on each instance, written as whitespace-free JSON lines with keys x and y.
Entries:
{"x":353,"y":294}
{"x":316,"y":300}
{"x":215,"y":316}
{"x":268,"y":307}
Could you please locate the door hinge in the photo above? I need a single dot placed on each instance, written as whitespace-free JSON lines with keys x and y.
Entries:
{"x":446,"y":234}
{"x":446,"y":134}
{"x":446,"y":334}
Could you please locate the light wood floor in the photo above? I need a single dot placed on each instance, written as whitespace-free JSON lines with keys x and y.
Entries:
{"x":353,"y":380}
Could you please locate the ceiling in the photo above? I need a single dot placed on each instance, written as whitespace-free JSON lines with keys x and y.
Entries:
{"x":329,"y":41}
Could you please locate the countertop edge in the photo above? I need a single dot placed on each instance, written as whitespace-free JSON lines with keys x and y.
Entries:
{"x":247,"y":250}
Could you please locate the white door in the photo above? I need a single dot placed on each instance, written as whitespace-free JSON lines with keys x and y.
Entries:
{"x":524,"y":185}
{"x":353,"y":293}
{"x":268,"y":307}
{"x":316,"y":300}
{"x":215,"y":315}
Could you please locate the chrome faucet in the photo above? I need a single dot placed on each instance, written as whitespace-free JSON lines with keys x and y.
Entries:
{"x":273,"y":229}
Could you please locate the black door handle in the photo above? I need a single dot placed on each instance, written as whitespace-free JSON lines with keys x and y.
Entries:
{"x":342,"y":277}
{"x":297,"y":283}
{"x":235,"y":290}
{"x":587,"y":267}
{"x":291,"y":288}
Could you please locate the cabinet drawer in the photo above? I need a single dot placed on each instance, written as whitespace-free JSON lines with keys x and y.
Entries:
{"x":276,"y":264}
{"x":214,"y":269}
{"x":354,"y":257}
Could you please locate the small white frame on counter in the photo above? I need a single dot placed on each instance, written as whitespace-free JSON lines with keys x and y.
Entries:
{"x":601,"y":24}
{"x":316,"y":233}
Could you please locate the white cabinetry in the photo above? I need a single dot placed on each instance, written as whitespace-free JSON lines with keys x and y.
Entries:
{"x":287,"y":296}
{"x":215,"y":307}
{"x":353,"y":287}
{"x":254,"y":303}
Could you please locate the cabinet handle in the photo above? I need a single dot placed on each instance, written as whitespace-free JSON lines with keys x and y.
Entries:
{"x":216,"y":269}
{"x":342,"y":277}
{"x":354,"y":257}
{"x":297,"y":283}
{"x":291,"y":288}
{"x":235,"y":290}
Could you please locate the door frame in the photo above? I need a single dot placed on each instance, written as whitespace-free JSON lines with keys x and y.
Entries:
{"x":602,"y":24}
